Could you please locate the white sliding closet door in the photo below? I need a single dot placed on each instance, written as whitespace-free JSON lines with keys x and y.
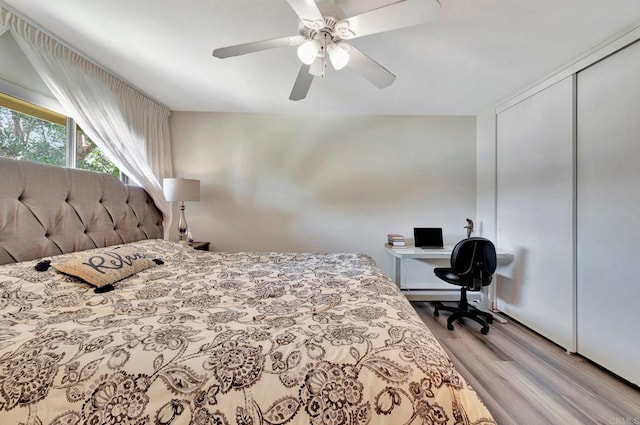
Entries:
{"x":608,"y":237}
{"x":535,"y":201}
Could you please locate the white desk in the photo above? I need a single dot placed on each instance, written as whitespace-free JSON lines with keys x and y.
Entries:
{"x":486,"y":302}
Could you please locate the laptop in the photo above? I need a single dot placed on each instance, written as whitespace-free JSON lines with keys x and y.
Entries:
{"x":428,"y":237}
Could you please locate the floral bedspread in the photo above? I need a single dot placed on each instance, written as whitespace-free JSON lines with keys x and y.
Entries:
{"x":220,"y":338}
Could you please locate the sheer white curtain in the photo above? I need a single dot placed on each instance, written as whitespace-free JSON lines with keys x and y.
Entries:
{"x":132,"y":129}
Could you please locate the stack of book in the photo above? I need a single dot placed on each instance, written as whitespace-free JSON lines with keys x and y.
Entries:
{"x":395,"y":240}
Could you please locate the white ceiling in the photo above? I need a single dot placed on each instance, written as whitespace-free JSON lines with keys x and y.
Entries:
{"x":478,"y":52}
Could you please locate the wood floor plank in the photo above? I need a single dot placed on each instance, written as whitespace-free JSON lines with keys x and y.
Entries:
{"x":525,"y":379}
{"x":549,"y":407}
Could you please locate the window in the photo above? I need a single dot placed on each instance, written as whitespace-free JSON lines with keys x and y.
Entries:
{"x":90,"y":157}
{"x":33,"y":133}
{"x":27,"y":133}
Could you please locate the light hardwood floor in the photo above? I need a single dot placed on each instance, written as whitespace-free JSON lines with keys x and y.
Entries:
{"x":525,"y":379}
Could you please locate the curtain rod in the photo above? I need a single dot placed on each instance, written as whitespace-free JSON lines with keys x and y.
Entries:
{"x":75,"y":50}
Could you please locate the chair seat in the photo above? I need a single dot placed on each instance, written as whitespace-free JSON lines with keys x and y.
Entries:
{"x":448,"y":275}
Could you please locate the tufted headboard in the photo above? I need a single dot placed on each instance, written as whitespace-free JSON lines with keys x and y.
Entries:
{"x":47,"y":210}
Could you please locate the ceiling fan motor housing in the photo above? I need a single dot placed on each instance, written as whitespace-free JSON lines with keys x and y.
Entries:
{"x":332,"y":14}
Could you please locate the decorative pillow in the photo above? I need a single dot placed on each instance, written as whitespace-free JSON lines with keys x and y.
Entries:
{"x":106,"y":267}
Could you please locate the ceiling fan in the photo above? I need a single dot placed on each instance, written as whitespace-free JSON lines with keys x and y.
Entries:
{"x":323,"y":29}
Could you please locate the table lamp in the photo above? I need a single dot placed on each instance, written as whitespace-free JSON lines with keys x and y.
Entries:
{"x":181,"y":190}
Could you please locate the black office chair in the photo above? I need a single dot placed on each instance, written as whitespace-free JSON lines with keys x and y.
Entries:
{"x":473,"y":262}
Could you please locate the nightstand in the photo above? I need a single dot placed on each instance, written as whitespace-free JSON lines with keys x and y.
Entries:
{"x":202,"y":246}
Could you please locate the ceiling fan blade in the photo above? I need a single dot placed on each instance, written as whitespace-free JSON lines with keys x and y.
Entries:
{"x":256,"y":46}
{"x":307,"y":10}
{"x":302,"y":84}
{"x":401,"y":14}
{"x":368,"y":68}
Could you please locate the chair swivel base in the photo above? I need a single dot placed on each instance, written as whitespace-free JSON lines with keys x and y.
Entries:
{"x":469,"y":312}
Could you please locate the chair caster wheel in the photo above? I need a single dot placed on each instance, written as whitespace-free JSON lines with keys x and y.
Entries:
{"x":484,"y":330}
{"x":449,"y":326}
{"x":490,"y":319}
{"x":436,"y":313}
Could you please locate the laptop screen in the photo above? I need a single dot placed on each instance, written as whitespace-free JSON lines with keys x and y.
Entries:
{"x":428,"y":237}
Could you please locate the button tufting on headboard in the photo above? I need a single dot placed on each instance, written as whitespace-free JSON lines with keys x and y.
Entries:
{"x":47,"y":210}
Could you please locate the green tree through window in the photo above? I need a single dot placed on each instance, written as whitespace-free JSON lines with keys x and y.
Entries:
{"x":90,"y":157}
{"x":31,"y":139}
{"x":38,"y":136}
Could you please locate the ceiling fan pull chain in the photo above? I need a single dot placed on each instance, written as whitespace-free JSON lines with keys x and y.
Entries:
{"x":323,"y":52}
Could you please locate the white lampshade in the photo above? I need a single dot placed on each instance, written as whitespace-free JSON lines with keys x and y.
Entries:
{"x":338,"y":56}
{"x":308,"y":51}
{"x":181,"y":189}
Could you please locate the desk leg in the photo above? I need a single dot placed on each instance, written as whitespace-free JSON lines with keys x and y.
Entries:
{"x":494,"y":294}
{"x":397,"y":268}
{"x":486,"y":303}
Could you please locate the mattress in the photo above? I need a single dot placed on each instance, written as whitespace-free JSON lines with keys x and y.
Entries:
{"x":223,"y":338}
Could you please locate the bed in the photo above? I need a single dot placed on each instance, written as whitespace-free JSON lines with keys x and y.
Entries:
{"x":199,"y":337}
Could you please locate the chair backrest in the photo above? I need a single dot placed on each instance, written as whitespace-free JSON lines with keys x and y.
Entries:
{"x":474,"y":260}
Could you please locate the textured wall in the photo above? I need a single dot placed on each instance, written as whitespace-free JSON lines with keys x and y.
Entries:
{"x":325,"y":183}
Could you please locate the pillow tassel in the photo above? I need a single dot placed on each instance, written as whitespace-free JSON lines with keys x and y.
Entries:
{"x":43,"y":265}
{"x":105,"y":288}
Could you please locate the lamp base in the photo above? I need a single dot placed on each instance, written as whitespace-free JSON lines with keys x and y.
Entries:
{"x":182,"y":224}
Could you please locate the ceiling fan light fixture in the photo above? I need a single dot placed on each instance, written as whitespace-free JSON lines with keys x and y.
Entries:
{"x":322,"y":34}
{"x":339,"y":57}
{"x":317,"y":67}
{"x":308,"y":51}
